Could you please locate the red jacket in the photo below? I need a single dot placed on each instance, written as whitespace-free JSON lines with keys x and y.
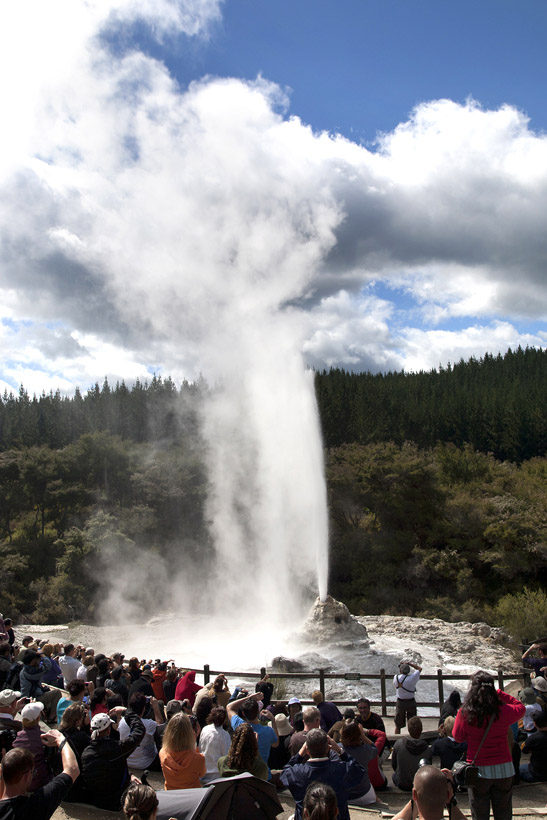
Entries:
{"x":157,"y":683}
{"x":376,"y":776}
{"x":496,"y":747}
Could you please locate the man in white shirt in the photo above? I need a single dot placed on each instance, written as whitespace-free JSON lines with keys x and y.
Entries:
{"x":405,"y":685}
{"x":145,"y":755}
{"x":69,"y":664}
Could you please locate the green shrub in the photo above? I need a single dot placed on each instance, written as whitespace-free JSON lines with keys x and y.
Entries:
{"x":524,"y":614}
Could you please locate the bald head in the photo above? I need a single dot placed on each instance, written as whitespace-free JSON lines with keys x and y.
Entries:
{"x":431,"y":791}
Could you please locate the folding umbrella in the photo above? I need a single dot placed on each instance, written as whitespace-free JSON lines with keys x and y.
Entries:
{"x":228,"y":798}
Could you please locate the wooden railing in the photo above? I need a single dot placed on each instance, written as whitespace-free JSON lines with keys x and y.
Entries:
{"x":385,"y":679}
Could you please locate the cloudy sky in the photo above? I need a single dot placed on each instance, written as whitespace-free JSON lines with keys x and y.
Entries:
{"x":182,"y":181}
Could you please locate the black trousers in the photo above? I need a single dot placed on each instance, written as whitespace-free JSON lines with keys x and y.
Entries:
{"x":498,"y":792}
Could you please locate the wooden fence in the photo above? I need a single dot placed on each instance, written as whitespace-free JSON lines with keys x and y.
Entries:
{"x":319,"y":678}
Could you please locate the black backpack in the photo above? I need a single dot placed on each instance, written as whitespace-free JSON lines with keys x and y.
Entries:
{"x":13,"y":680}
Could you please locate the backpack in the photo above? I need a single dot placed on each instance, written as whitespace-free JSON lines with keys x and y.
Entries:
{"x":13,"y":680}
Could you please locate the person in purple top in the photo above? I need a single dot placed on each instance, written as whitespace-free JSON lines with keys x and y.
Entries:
{"x":330,"y":713}
{"x":539,"y":665}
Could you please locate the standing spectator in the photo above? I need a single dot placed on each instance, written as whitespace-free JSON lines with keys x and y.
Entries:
{"x":539,"y":664}
{"x":405,"y":685}
{"x":159,"y":675}
{"x":69,"y":664}
{"x":330,"y":713}
{"x":53,"y":676}
{"x":407,"y":753}
{"x":182,"y":765}
{"x":8,"y":623}
{"x":266,"y":687}
{"x":295,"y":708}
{"x":280,"y":755}
{"x":214,"y":742}
{"x":483,"y":703}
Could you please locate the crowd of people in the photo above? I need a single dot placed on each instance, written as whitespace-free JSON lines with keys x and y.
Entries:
{"x":113,"y":715}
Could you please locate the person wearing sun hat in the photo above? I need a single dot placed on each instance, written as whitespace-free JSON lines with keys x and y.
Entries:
{"x":104,"y":762}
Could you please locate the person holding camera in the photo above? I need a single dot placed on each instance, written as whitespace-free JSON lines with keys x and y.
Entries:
{"x":405,"y":686}
{"x":145,"y":755}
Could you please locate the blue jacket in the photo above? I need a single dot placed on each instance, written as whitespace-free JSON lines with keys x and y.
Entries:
{"x":31,"y":678}
{"x":341,"y":773}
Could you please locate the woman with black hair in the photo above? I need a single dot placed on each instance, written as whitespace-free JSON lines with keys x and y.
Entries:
{"x":487,"y":711}
{"x":319,"y":803}
{"x":451,"y":706}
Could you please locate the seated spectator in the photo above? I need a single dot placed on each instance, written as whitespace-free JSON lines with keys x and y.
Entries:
{"x":143,"y":684}
{"x":99,"y":701}
{"x":319,"y":803}
{"x":27,"y":641}
{"x":5,"y":663}
{"x":243,"y":755}
{"x":30,"y":738}
{"x":533,"y":708}
{"x":174,"y":707}
{"x":356,"y":743}
{"x":267,"y":735}
{"x":348,"y":716}
{"x":76,"y":693}
{"x":134,"y":669}
{"x":140,"y":802}
{"x":204,"y":709}
{"x":536,"y":746}
{"x":294,"y":706}
{"x":159,"y":675}
{"x":266,"y":687}
{"x":214,"y":742}
{"x":104,"y":762}
{"x":104,"y":665}
{"x":181,"y":763}
{"x":32,"y":673}
{"x":312,"y":720}
{"x":170,"y":684}
{"x":445,"y":747}
{"x":69,"y":664}
{"x":432,"y":793}
{"x":539,"y":685}
{"x":341,"y":773}
{"x":330,"y":713}
{"x":407,"y":753}
{"x":187,"y":688}
{"x":280,"y":755}
{"x":539,"y":663}
{"x":118,"y":683}
{"x":368,"y":719}
{"x":75,"y":727}
{"x":53,"y":676}
{"x":145,"y":756}
{"x":375,"y":772}
{"x":10,"y":703}
{"x":450,"y":706}
{"x":88,"y":671}
{"x":17,"y":772}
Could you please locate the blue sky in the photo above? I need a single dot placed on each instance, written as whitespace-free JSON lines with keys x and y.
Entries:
{"x":187,"y":182}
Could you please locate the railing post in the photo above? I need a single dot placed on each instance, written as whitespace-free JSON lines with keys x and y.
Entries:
{"x":322,"y":681}
{"x":206,"y":674}
{"x":500,"y":679}
{"x":441,"y":689}
{"x":383,"y":694}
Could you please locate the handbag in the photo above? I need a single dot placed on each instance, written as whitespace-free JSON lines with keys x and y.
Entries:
{"x":467,"y":774}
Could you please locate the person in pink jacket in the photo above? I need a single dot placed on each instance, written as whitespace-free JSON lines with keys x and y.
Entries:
{"x":494,"y":759}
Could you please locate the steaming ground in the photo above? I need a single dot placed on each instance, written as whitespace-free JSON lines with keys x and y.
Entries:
{"x":234,"y":645}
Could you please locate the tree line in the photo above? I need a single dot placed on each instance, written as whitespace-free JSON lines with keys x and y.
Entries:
{"x":437,"y":488}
